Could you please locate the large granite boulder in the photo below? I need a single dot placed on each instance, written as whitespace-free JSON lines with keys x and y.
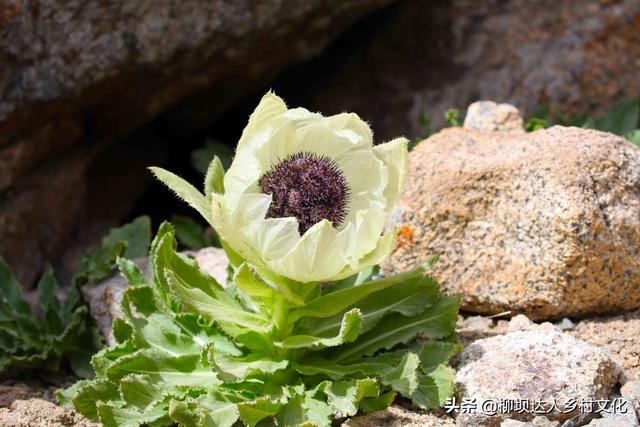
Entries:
{"x":545,"y":223}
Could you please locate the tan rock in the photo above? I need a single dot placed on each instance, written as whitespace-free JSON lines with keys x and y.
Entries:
{"x":545,"y":223}
{"x":531,"y":366}
{"x":38,"y":412}
{"x":488,"y":116}
{"x":396,"y":416}
{"x":617,"y":335}
{"x":31,"y":404}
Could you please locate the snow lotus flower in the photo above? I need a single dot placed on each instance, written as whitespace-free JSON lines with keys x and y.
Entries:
{"x":306,"y":196}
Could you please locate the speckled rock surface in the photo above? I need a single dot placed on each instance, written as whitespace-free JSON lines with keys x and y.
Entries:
{"x":617,"y":335}
{"x":396,"y":416}
{"x":532,"y":365}
{"x":626,"y":417}
{"x":544,"y":223}
{"x":490,"y":116}
{"x":31,"y":404}
{"x":536,"y":422}
{"x":104,"y":297}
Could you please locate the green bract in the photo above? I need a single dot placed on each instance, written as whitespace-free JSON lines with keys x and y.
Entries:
{"x":192,"y":352}
{"x":237,"y":208}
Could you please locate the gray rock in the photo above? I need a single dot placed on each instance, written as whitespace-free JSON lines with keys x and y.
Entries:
{"x":625,"y":417}
{"x":536,"y":422}
{"x":545,"y":223}
{"x":488,"y":116}
{"x":631,"y":391}
{"x":535,"y":365}
{"x":104,"y":297}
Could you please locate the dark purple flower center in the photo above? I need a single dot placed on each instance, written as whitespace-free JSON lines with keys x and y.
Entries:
{"x":308,"y":187}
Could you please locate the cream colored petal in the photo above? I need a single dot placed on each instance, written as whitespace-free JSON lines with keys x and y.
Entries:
{"x":252,"y":206}
{"x":314,"y":258}
{"x":273,"y":237}
{"x":221,"y":223}
{"x":353,"y":127}
{"x":360,"y":237}
{"x":395,"y":157}
{"x":364,"y":172}
{"x":266,"y":113}
{"x":322,"y":140}
{"x":384,"y":246}
{"x":363,"y":201}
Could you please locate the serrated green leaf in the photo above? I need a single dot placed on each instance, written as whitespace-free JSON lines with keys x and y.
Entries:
{"x":437,"y":321}
{"x":304,"y":410}
{"x":173,"y":335}
{"x":84,"y":396}
{"x":131,"y":272}
{"x":232,"y":368}
{"x":255,"y":411}
{"x":49,"y":303}
{"x":350,"y":328}
{"x":130,"y":241}
{"x":403,"y":378}
{"x":11,"y":293}
{"x":111,"y":415}
{"x":335,"y":302}
{"x":214,"y":178}
{"x":197,"y":300}
{"x":137,"y":234}
{"x":375,"y":404}
{"x":345,"y":396}
{"x":184,"y":190}
{"x":203,"y":411}
{"x":434,"y":388}
{"x":409,"y":298}
{"x":435,"y":353}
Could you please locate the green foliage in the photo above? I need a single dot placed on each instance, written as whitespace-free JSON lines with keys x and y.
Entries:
{"x":452,"y":116}
{"x":192,"y":235}
{"x":63,"y":333}
{"x":129,"y":241}
{"x":192,"y":352}
{"x":202,"y":157}
{"x":623,"y":119}
{"x":536,"y":123}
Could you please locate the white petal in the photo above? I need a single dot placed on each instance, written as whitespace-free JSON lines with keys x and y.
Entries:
{"x":361,"y":236}
{"x":364,"y":172}
{"x":383,"y":248}
{"x":352,"y":127}
{"x":314,"y":258}
{"x":270,"y":107}
{"x":395,"y":157}
{"x":221,"y":223}
{"x":274,"y":237}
